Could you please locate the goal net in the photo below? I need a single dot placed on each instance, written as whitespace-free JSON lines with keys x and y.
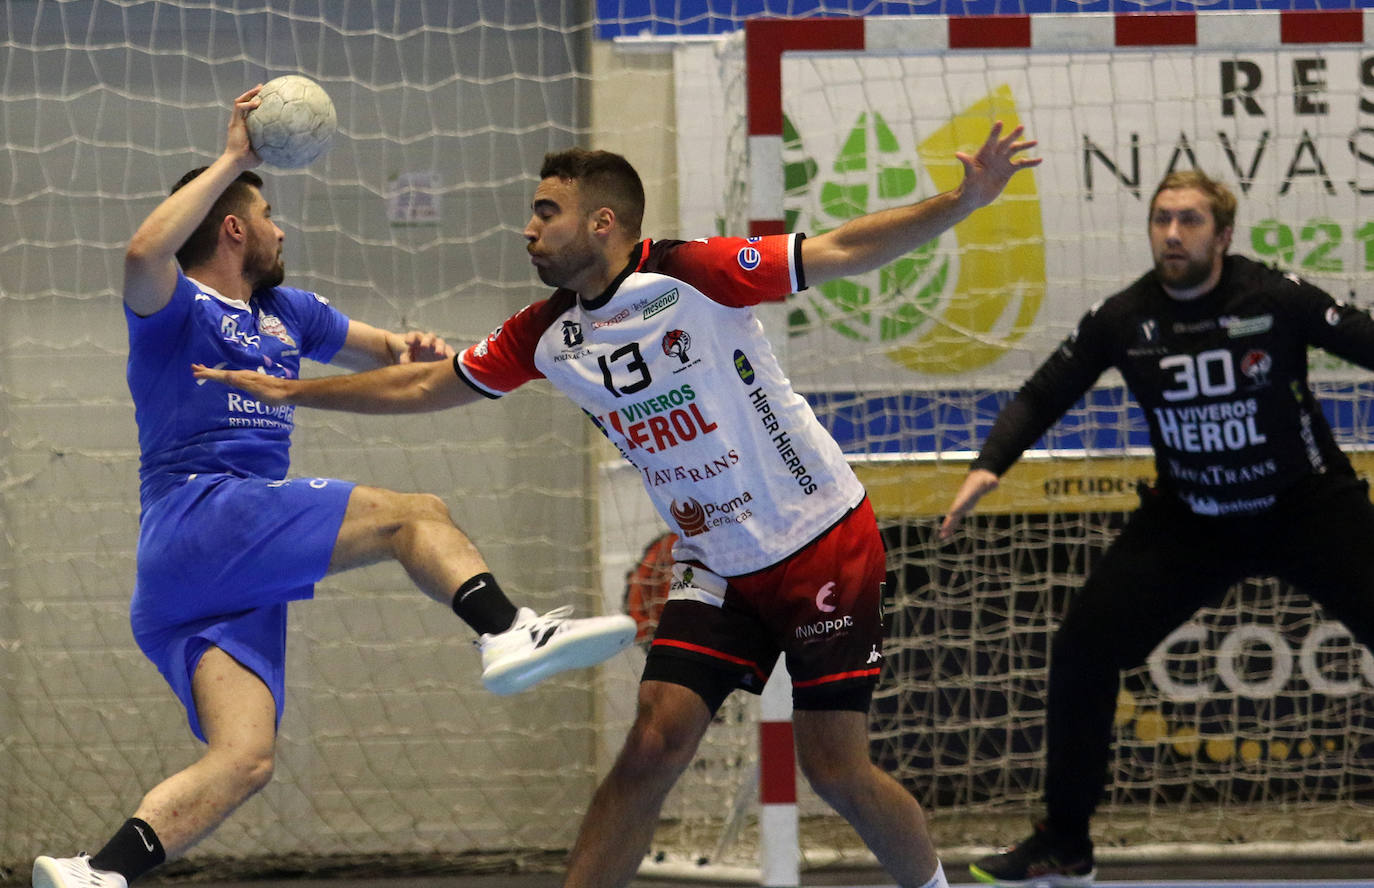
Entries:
{"x":1245,"y":733}
{"x":390,"y":754}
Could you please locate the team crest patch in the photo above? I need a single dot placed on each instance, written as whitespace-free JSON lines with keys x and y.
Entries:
{"x":676,"y":344}
{"x":272,"y":326}
{"x":1256,"y":366}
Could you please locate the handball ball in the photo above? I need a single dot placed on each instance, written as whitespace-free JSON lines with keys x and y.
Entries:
{"x":294,"y":124}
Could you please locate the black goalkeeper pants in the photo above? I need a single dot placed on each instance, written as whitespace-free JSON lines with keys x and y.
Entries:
{"x":1165,"y":565}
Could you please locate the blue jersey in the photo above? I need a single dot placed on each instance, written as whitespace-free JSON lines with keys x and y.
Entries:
{"x":188,"y":426}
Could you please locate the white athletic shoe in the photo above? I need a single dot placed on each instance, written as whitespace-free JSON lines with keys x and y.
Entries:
{"x":73,"y":872}
{"x":535,"y":647}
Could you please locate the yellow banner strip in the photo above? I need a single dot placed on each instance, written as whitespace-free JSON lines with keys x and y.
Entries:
{"x":924,"y":488}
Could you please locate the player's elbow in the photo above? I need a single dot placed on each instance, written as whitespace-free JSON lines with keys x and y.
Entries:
{"x":145,"y":251}
{"x":438,"y":388}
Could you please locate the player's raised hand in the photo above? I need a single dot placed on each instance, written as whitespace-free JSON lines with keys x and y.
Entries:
{"x":987,"y":171}
{"x":978,"y":483}
{"x":270,"y":390}
{"x":423,"y":346}
{"x":236,"y":143}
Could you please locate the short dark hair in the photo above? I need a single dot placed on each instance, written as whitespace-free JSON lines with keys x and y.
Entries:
{"x":606,"y":180}
{"x":1219,"y":197}
{"x":235,"y":201}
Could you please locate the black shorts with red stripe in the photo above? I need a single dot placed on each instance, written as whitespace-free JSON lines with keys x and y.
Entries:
{"x":821,"y":608}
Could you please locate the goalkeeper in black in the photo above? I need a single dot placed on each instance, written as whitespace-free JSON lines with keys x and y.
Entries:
{"x":1213,"y":347}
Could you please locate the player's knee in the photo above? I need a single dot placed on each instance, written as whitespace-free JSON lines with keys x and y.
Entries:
{"x":426,"y":507}
{"x":412,"y":511}
{"x":831,"y":778}
{"x":242,"y":771}
{"x":849,"y":784}
{"x":256,"y":771}
{"x":656,"y":747}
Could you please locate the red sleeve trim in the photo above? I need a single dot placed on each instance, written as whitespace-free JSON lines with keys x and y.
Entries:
{"x":504,"y":361}
{"x":737,"y":271}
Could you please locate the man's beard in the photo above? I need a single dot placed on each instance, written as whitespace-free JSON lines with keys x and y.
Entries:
{"x":571,"y":261}
{"x":269,"y":276}
{"x":1192,"y":274}
{"x":272,"y":277}
{"x":547,"y":275}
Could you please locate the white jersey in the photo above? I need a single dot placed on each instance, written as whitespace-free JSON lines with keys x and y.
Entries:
{"x":673,"y":367}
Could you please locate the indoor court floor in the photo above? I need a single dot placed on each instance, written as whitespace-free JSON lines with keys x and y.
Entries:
{"x":1247,"y":874}
{"x":531,"y":881}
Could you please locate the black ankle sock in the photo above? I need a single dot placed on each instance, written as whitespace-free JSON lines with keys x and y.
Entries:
{"x":483,"y":606}
{"x":131,"y":851}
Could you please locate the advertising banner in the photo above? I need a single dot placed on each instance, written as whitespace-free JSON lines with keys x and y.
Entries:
{"x":1290,"y":130}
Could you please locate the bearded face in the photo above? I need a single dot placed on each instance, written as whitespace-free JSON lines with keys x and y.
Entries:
{"x":558,"y":237}
{"x":1188,"y":249}
{"x":565,"y":263}
{"x":1183,"y":272}
{"x":262,"y":260}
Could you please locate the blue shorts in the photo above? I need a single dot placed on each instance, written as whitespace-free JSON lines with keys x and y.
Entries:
{"x":218,"y":560}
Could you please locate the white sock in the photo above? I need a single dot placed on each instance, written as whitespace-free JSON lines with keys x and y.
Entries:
{"x":938,"y":880}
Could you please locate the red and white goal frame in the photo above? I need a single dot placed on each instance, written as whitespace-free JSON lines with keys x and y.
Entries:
{"x":768,"y":41}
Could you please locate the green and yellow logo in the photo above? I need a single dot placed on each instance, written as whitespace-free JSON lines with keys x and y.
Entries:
{"x":930,"y":323}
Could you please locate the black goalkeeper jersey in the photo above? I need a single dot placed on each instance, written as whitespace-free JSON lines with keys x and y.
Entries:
{"x":1222,"y":380}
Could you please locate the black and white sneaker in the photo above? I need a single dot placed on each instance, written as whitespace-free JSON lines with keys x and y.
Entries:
{"x":536,"y":647}
{"x":1039,"y":861}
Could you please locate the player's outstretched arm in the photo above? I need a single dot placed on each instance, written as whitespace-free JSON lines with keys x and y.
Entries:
{"x":977,"y":484}
{"x":400,"y":388}
{"x":367,"y":347}
{"x":150,"y":261}
{"x":876,"y":239}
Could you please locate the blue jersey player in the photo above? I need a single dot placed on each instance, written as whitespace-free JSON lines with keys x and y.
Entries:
{"x":227,"y":539}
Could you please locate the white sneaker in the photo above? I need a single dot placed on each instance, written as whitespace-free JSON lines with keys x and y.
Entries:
{"x":535,"y":647}
{"x":73,"y":872}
